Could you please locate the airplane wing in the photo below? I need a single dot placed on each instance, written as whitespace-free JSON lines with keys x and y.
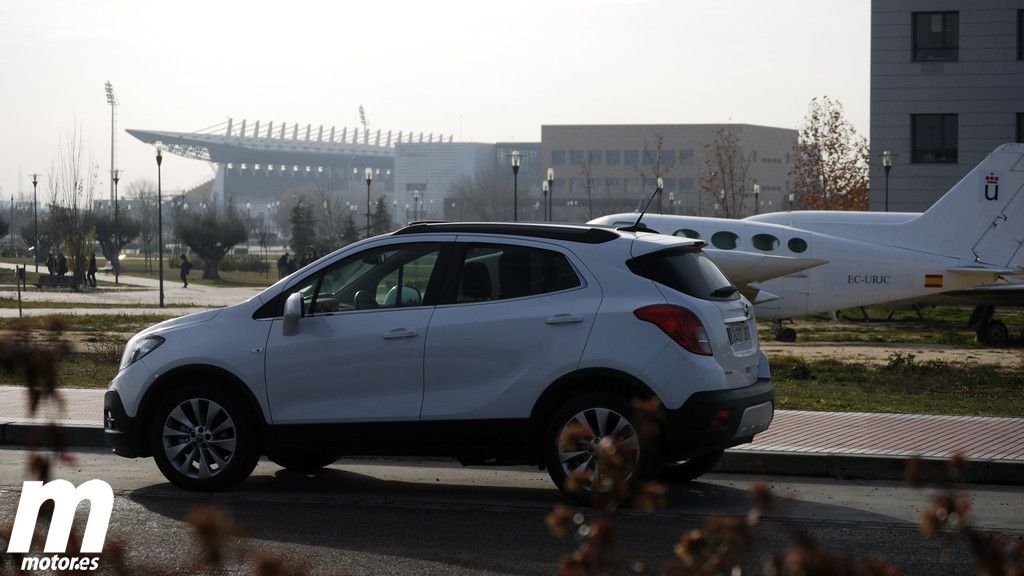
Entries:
{"x":986,"y":271}
{"x":757,"y":295}
{"x":748,"y":267}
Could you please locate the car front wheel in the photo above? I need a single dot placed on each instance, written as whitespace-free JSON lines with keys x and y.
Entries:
{"x":203,"y":438}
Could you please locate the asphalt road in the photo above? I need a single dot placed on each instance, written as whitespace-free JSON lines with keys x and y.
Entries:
{"x":434,"y":517}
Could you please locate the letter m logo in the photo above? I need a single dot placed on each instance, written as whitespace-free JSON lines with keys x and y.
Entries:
{"x":66,"y":499}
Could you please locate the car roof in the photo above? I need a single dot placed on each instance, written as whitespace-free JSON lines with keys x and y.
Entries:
{"x":563,"y":232}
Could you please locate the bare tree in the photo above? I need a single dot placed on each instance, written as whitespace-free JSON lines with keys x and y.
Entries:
{"x":830,"y":167}
{"x":725,"y":178}
{"x":71,"y":186}
{"x":585,"y":167}
{"x":143,"y":210}
{"x":210,"y":234}
{"x":484,"y":197}
{"x":655,"y":165}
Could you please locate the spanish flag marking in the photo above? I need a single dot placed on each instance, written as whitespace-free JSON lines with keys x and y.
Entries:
{"x":933,"y":280}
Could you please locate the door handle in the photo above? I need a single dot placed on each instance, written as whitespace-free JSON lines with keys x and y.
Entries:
{"x":564,"y":319}
{"x":399,"y":333}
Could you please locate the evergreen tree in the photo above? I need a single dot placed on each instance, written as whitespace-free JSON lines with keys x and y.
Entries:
{"x":380,"y":219}
{"x":350,"y":232}
{"x":303,"y":227}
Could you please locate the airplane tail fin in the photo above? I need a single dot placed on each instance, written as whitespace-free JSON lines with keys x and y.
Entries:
{"x":980,"y":219}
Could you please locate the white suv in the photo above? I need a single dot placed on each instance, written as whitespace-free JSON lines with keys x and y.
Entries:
{"x":483,"y":342}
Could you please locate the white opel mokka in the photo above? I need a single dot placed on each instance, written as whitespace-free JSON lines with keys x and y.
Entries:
{"x":482,"y":342}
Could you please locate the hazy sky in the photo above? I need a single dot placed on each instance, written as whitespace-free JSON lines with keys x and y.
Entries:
{"x":480,"y":70}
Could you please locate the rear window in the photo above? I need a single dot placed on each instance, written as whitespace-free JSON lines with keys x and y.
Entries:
{"x":685,"y":270}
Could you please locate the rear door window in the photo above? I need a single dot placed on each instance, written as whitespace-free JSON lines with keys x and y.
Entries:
{"x":502,"y":271}
{"x":686,"y":270}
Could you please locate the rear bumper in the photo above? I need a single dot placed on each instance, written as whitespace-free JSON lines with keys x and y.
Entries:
{"x":123,"y":434}
{"x":699,"y":426}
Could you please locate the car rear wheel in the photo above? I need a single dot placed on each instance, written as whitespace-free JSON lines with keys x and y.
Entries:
{"x":690,"y":469}
{"x":203,"y":438}
{"x":577,"y":434}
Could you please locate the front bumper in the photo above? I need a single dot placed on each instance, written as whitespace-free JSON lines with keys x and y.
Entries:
{"x":122,"y":433}
{"x":714,"y":420}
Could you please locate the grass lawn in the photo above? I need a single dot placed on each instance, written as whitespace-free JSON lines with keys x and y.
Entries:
{"x":234,"y":278}
{"x":75,"y":371}
{"x":89,"y":323}
{"x":6,"y":302}
{"x":902,"y":385}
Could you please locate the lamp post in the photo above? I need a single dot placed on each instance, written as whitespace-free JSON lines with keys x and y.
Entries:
{"x":369,"y":180}
{"x":886,"y":166}
{"x":160,"y":216}
{"x":35,"y":221}
{"x":551,"y":193}
{"x":415,"y":205}
{"x":115,"y":177}
{"x":757,"y":194}
{"x":545,"y":188}
{"x":112,"y":100}
{"x":516,"y":159}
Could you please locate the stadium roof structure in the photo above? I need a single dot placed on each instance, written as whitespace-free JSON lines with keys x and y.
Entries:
{"x":269,"y":144}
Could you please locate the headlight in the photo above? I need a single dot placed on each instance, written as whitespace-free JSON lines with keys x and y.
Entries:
{"x":139,"y":349}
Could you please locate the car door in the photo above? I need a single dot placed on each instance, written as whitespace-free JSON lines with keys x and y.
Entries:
{"x":519,"y":317}
{"x":358,"y":353}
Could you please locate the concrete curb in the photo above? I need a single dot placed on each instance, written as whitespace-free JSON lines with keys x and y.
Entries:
{"x":739,"y":461}
{"x":863,"y":466}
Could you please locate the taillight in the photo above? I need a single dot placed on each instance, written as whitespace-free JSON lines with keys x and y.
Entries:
{"x":680,"y":324}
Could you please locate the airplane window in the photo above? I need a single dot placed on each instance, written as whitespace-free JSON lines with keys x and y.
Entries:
{"x":765,"y":242}
{"x":687,"y":233}
{"x":725,"y":240}
{"x":797,"y":245}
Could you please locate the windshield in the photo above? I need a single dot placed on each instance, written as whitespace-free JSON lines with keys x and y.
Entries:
{"x":686,"y":270}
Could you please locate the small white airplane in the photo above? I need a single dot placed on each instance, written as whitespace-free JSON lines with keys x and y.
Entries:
{"x":813,"y":262}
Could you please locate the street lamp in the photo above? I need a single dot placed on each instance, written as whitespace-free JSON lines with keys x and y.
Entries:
{"x":112,"y":100}
{"x":415,"y":205}
{"x":35,"y":221}
{"x":160,"y":215}
{"x":516,"y":159}
{"x":551,"y":193}
{"x":545,"y":188}
{"x":115,"y":177}
{"x":757,"y":194}
{"x":886,"y":166}
{"x":369,"y":179}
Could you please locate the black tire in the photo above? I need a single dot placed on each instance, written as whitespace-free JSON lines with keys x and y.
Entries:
{"x":228,"y":417}
{"x":648,"y":457}
{"x":304,"y":460}
{"x":786,"y":335}
{"x":691,"y":469}
{"x":994,"y":332}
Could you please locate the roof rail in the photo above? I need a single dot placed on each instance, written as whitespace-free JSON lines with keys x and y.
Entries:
{"x":570,"y":233}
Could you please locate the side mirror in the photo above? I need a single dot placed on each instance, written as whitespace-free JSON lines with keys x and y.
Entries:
{"x":292,"y":313}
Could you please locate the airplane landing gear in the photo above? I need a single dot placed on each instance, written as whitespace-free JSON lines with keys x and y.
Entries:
{"x":782,"y":334}
{"x":988,"y":331}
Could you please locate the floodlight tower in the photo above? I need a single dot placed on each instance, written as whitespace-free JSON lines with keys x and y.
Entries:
{"x":112,"y":100}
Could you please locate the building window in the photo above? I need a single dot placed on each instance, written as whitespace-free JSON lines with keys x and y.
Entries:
{"x":632,"y":157}
{"x":594,"y":157}
{"x":1020,"y":127}
{"x":934,"y":138}
{"x":558,"y":157}
{"x":575,"y":157}
{"x":611,"y":157}
{"x":936,"y":36}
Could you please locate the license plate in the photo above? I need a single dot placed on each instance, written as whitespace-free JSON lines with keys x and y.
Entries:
{"x":739,"y":333}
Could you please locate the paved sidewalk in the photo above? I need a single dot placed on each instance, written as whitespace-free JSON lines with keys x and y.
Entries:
{"x":843,"y":444}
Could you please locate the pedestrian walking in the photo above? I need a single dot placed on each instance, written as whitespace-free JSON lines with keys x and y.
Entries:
{"x":51,"y":264}
{"x":62,"y":264}
{"x":184,"y":269}
{"x":90,"y":278}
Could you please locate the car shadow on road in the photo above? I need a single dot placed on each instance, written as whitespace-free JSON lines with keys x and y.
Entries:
{"x":463,"y":520}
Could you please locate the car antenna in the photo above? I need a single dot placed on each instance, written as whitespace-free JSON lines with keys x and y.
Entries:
{"x":637,"y":226}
